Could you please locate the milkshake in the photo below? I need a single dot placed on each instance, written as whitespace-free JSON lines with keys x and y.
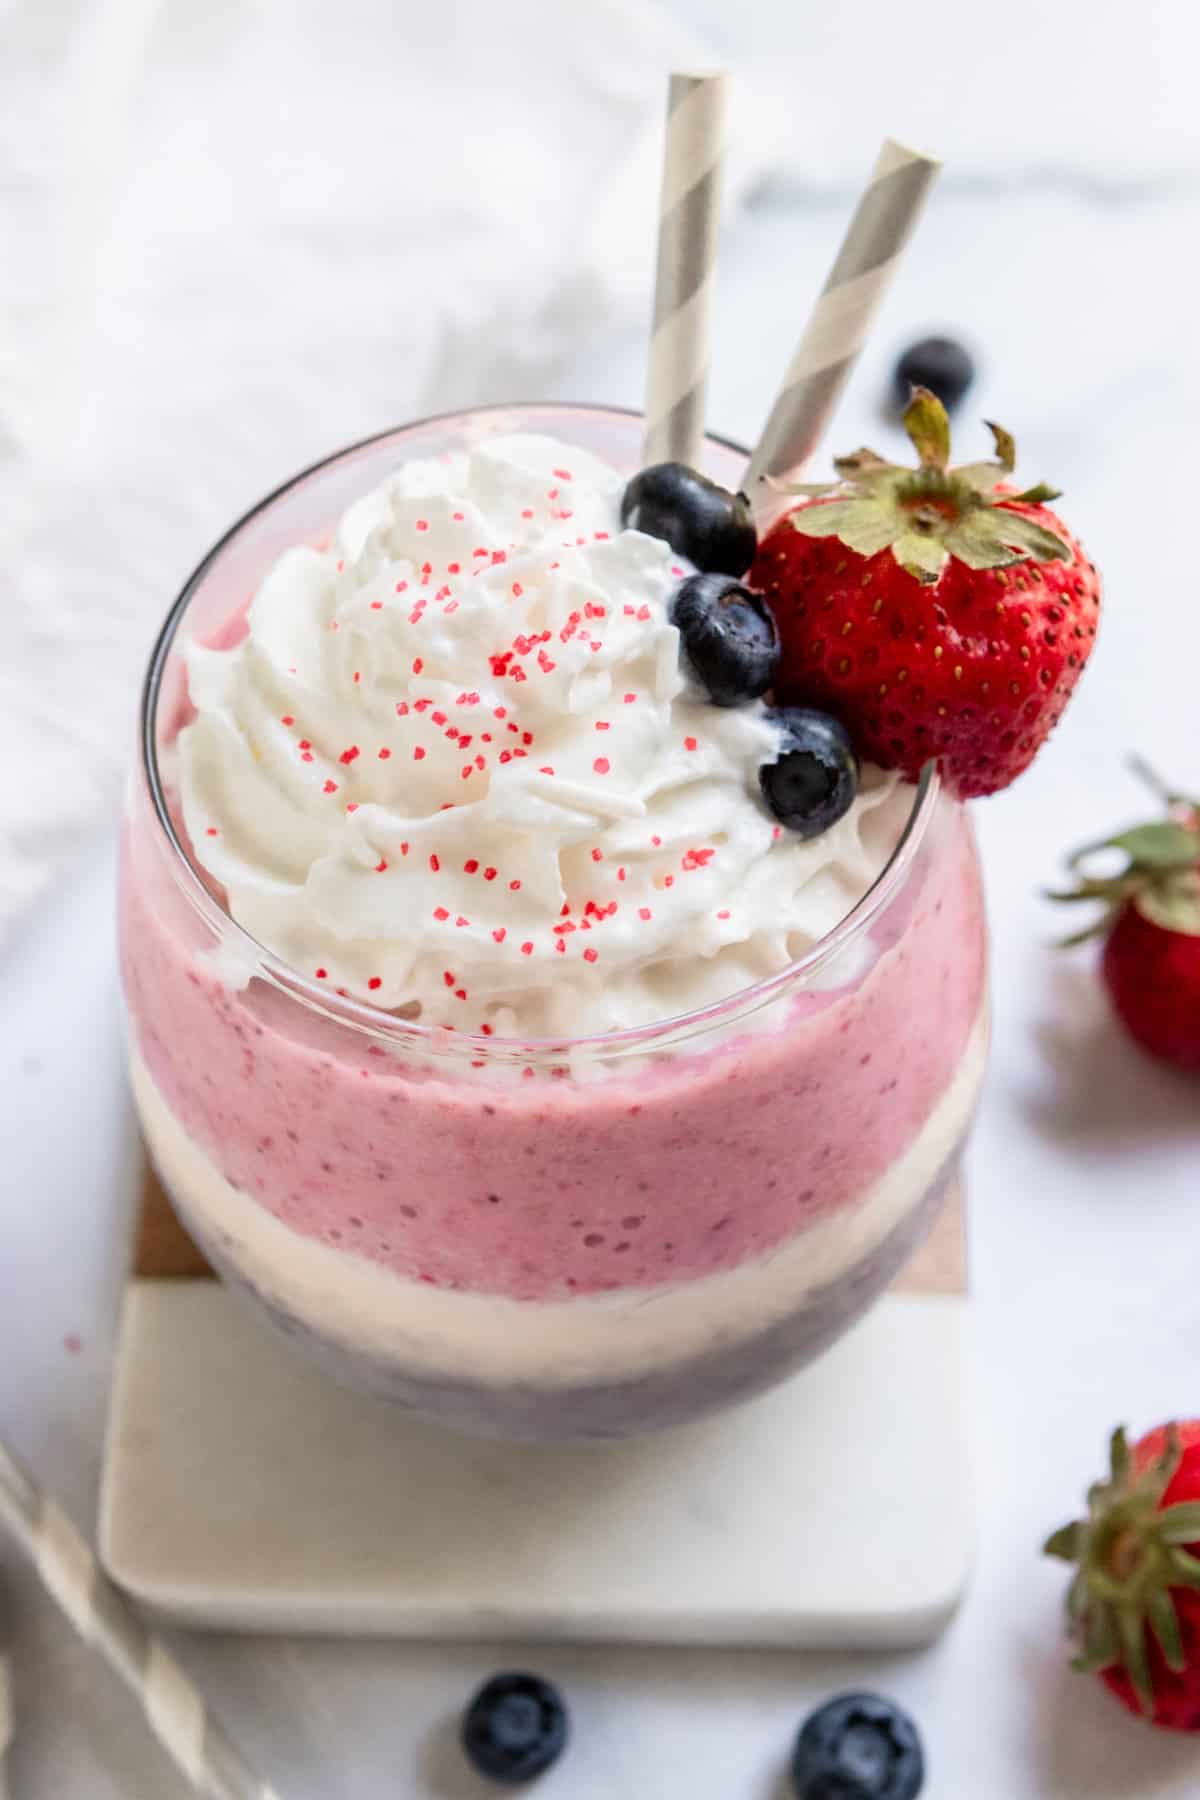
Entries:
{"x":489,"y":1027}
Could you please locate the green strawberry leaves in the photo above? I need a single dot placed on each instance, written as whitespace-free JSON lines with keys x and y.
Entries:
{"x":927,"y":515}
{"x":1161,"y":871}
{"x":1127,"y":1558}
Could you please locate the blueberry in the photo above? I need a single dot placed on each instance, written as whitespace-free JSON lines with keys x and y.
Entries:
{"x":858,"y":1747}
{"x":515,"y":1727}
{"x":815,"y":777}
{"x":937,"y":363}
{"x":730,"y":639}
{"x":705,"y":523}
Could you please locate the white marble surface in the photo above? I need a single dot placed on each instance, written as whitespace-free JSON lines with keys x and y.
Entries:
{"x":1079,"y":287}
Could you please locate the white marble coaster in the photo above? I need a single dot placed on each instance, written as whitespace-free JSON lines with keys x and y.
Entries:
{"x":244,"y":1489}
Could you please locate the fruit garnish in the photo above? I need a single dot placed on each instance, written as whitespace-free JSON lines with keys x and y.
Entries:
{"x":937,"y":363}
{"x":515,"y":1727}
{"x":1149,"y":918}
{"x":936,"y":611}
{"x":729,"y":636}
{"x":1133,"y":1608}
{"x":858,"y":1747}
{"x":813,"y":782}
{"x":929,"y":514}
{"x":701,"y":520}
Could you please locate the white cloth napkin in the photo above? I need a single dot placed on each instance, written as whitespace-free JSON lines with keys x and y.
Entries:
{"x":245,"y":233}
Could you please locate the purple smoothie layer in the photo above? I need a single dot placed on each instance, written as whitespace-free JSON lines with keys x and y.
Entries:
{"x":542,"y":1188}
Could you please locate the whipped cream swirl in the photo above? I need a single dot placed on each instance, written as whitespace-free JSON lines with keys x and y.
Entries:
{"x":454,"y":766}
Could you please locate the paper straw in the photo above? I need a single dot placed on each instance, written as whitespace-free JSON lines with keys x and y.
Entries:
{"x":6,"y":1718}
{"x":830,"y":344}
{"x":688,"y":212}
{"x":171,"y":1703}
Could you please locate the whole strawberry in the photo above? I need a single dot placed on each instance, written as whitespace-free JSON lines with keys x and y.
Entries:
{"x":938,"y":612}
{"x":1150,"y":923}
{"x":1134,"y":1605}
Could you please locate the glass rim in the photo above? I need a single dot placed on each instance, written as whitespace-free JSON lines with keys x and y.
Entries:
{"x":385,"y":1028}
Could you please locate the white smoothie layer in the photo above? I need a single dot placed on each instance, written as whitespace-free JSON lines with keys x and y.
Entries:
{"x":591,"y":1339}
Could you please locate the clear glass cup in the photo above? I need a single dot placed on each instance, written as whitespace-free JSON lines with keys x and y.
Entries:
{"x":558,"y":1240}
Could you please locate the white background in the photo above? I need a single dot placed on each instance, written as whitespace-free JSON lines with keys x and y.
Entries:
{"x":1061,"y":242}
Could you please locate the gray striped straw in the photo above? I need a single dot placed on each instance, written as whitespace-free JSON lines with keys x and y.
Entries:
{"x":6,"y":1718}
{"x":829,"y":347}
{"x":689,"y":210}
{"x":171,"y":1703}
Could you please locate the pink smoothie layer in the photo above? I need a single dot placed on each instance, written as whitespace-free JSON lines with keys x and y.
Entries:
{"x":539,"y":1189}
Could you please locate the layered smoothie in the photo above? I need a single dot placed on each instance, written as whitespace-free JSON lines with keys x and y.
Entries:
{"x":486,"y":1025}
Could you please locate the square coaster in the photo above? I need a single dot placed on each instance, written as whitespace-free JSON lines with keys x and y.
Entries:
{"x":244,"y":1489}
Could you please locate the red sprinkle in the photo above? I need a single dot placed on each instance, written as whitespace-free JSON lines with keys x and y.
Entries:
{"x":460,"y":921}
{"x":603,"y":725}
{"x":331,"y":787}
{"x":211,"y":832}
{"x":377,"y":606}
{"x":500,"y":933}
{"x":418,"y":753}
{"x":439,"y":912}
{"x":644,"y":912}
{"x":376,"y":981}
{"x":470,"y":866}
{"x":526,"y":949}
{"x":724,"y":913}
{"x":513,"y":886}
{"x":590,"y":955}
{"x":322,"y":974}
{"x":287,"y":719}
{"x":422,"y":524}
{"x":689,"y":743}
{"x":384,"y":753}
{"x":434,"y":864}
{"x":418,"y":665}
{"x":448,"y":977}
{"x":602,"y":765}
{"x":597,"y":856}
{"x":381,"y":865}
{"x":489,"y":874}
{"x":629,"y":699}
{"x":517,"y":589}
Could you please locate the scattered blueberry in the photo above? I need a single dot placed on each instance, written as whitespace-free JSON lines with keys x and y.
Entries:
{"x":705,"y":523}
{"x":730,"y":639}
{"x":515,"y":1727}
{"x":815,"y":777}
{"x":939,"y":364}
{"x":858,"y":1747}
